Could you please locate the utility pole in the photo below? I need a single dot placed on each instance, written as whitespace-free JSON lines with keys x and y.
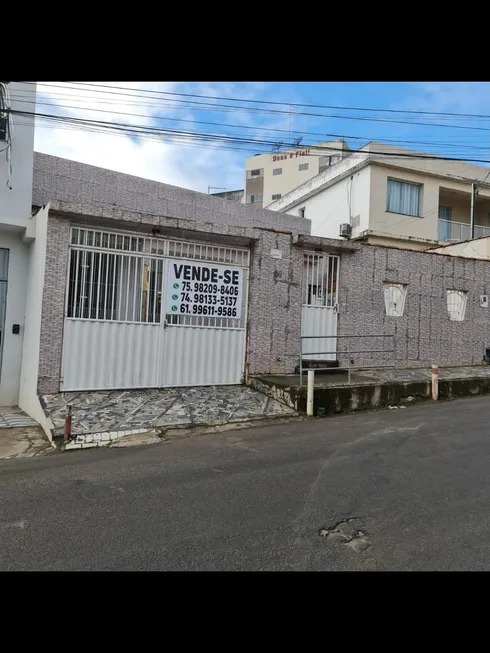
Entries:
{"x":474,"y":193}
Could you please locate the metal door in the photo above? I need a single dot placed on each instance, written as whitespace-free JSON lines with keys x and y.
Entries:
{"x":127,"y":326}
{"x":4,"y":266}
{"x":319,"y":309}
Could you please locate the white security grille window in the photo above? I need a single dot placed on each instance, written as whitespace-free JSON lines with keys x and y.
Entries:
{"x":277,"y":171}
{"x":403,"y":197}
{"x":456,"y":304}
{"x":303,"y":166}
{"x":321,"y":280}
{"x":121,"y":278}
{"x":395,"y":294}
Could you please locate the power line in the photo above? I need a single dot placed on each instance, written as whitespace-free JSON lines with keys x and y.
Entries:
{"x":91,"y":100}
{"x":131,"y":128}
{"x":256,"y":128}
{"x":227,"y":107}
{"x":295,"y":104}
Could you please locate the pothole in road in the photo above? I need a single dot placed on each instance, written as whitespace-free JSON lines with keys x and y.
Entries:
{"x":349,"y":532}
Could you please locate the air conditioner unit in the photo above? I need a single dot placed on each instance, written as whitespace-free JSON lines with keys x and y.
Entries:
{"x":345,"y":230}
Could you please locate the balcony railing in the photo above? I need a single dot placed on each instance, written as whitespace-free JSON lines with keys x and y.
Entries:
{"x":456,"y":231}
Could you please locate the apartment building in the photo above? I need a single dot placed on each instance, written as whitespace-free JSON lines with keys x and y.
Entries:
{"x":390,"y":195}
{"x":270,"y":176}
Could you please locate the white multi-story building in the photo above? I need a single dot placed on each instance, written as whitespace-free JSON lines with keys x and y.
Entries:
{"x":390,"y":195}
{"x":270,"y":176}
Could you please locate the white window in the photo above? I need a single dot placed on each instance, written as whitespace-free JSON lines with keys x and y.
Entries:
{"x":255,"y":173}
{"x":456,"y":304}
{"x":254,"y":199}
{"x":302,"y":212}
{"x":277,"y":171}
{"x":303,"y":166}
{"x":403,"y":197}
{"x":276,"y":197}
{"x":395,"y":294}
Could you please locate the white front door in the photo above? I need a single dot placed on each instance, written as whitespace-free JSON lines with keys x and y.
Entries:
{"x":319,"y":309}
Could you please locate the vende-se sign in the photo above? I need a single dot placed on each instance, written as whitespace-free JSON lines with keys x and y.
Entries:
{"x":290,"y":155}
{"x":195,"y":288}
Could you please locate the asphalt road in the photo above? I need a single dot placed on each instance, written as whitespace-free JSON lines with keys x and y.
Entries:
{"x":415,"y":481}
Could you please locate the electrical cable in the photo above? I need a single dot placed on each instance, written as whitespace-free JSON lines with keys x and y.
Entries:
{"x":277,"y":102}
{"x":218,"y":107}
{"x":206,"y":136}
{"x":258,"y":128}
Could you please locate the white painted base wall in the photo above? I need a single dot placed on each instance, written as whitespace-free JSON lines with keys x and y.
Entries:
{"x":16,"y":302}
{"x":28,"y":399}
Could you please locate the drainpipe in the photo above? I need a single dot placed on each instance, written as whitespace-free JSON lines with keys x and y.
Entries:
{"x":474,"y":193}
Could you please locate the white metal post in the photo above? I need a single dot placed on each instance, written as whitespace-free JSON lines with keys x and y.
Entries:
{"x":435,"y":382}
{"x":309,"y":393}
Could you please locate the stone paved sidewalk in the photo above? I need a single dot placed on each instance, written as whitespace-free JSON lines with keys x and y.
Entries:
{"x":125,"y":412}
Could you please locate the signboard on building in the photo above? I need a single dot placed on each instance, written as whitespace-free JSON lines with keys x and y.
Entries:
{"x":290,"y":155}
{"x":198,"y":288}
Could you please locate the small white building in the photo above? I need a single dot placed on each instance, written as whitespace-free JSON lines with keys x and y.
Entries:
{"x":22,"y":251}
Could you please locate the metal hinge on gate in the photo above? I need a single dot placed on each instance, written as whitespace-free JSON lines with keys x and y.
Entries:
{"x":336,"y":308}
{"x":165,"y":324}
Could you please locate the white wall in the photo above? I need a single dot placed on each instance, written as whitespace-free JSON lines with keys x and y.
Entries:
{"x":16,"y":299}
{"x":343,"y":202}
{"x":28,"y":399}
{"x":17,"y":202}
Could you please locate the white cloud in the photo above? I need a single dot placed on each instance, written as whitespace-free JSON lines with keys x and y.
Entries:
{"x":181,"y":165}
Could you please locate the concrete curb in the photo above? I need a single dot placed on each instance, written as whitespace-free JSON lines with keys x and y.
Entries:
{"x":330,"y":400}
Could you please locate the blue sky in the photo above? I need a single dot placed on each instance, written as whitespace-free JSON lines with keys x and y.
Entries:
{"x":195,"y":159}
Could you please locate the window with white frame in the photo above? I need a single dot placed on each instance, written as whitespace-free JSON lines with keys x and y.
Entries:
{"x":403,"y":197}
{"x":395,"y":294}
{"x":275,"y":197}
{"x":303,"y":166}
{"x":256,"y":172}
{"x":254,"y":199}
{"x":276,"y":171}
{"x":456,"y":304}
{"x":301,"y":212}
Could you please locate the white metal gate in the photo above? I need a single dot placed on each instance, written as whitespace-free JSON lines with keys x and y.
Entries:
{"x":319,"y":309}
{"x":146,"y":312}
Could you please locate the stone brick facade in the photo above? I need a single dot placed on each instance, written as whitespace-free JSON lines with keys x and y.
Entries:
{"x":82,"y":194}
{"x":424,"y":335}
{"x":77,"y":183}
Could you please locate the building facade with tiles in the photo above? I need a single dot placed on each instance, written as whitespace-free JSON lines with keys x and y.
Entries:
{"x":138,"y":284}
